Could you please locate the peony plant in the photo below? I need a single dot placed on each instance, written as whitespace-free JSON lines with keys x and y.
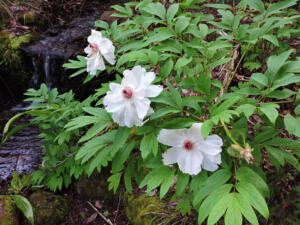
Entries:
{"x":198,"y":114}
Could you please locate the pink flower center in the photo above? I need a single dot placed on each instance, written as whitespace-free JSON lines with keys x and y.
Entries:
{"x":127,"y":92}
{"x":94,"y":47}
{"x":188,"y":145}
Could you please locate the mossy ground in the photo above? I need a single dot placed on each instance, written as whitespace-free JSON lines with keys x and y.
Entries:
{"x":145,"y":210}
{"x":8,"y":212}
{"x":48,"y":208}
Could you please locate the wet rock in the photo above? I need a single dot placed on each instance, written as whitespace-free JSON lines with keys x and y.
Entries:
{"x":48,"y":208}
{"x":29,"y":18}
{"x":8,"y":211}
{"x":22,"y":152}
{"x":145,"y":210}
{"x":95,"y":186}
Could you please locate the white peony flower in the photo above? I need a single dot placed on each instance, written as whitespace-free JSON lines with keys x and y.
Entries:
{"x":190,"y":150}
{"x":128,"y":102}
{"x":98,"y":47}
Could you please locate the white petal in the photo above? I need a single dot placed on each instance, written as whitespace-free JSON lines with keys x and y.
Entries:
{"x":208,"y":149}
{"x":194,"y":133}
{"x":113,"y":106}
{"x":115,"y":87}
{"x":130,"y":80}
{"x":190,"y":162}
{"x":214,"y":140}
{"x":95,"y":37}
{"x":150,"y":111}
{"x":107,"y":50}
{"x":153,"y":90}
{"x":130,"y":116}
{"x":118,"y":117}
{"x":148,"y":78}
{"x":142,"y":107}
{"x":172,"y":137}
{"x":210,"y":163}
{"x":88,"y":50}
{"x":94,"y":63}
{"x":171,"y":155}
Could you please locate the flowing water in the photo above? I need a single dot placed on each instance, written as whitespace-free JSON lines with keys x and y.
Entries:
{"x":22,"y":152}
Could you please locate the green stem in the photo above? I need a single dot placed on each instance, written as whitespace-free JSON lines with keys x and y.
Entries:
{"x":197,"y":117}
{"x":228,"y":133}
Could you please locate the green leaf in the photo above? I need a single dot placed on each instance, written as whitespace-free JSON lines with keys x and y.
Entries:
{"x":91,"y":147}
{"x":24,"y":205}
{"x":156,"y":9}
{"x":259,"y":80}
{"x":10,"y":122}
{"x":297,"y":110}
{"x":182,"y":182}
{"x":93,"y":131}
{"x":161,"y":175}
{"x":257,"y":4}
{"x":159,"y":35}
{"x":181,"y":24}
{"x":172,"y":10}
{"x":177,"y":123}
{"x":102,"y":24}
{"x":114,"y":181}
{"x":175,"y":95}
{"x":276,"y":156}
{"x":162,"y":112}
{"x":166,"y":184}
{"x":203,"y":30}
{"x":292,"y":125}
{"x":277,"y":7}
{"x":281,"y":94}
{"x":184,"y":206}
{"x":253,"y":196}
{"x":149,"y":145}
{"x":212,"y":199}
{"x":218,"y":6}
{"x":206,"y":128}
{"x":81,"y":121}
{"x":132,"y":57}
{"x":233,"y":214}
{"x":181,"y":62}
{"x":153,"y":56}
{"x":166,"y":68}
{"x":269,"y":109}
{"x":271,"y":38}
{"x":246,"y":209}
{"x":247,"y":109}
{"x":122,"y":134}
{"x":122,"y":156}
{"x":219,"y":209}
{"x":248,"y":175}
{"x":213,"y":182}
{"x":128,"y":175}
{"x":276,"y":62}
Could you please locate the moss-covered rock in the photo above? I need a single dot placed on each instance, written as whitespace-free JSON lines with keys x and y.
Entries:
{"x":48,"y":208}
{"x":8,"y":211}
{"x":95,"y":186}
{"x":145,"y":210}
{"x":28,"y":18}
{"x":15,"y":73}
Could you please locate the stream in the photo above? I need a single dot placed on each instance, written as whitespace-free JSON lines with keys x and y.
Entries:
{"x":22,"y":152}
